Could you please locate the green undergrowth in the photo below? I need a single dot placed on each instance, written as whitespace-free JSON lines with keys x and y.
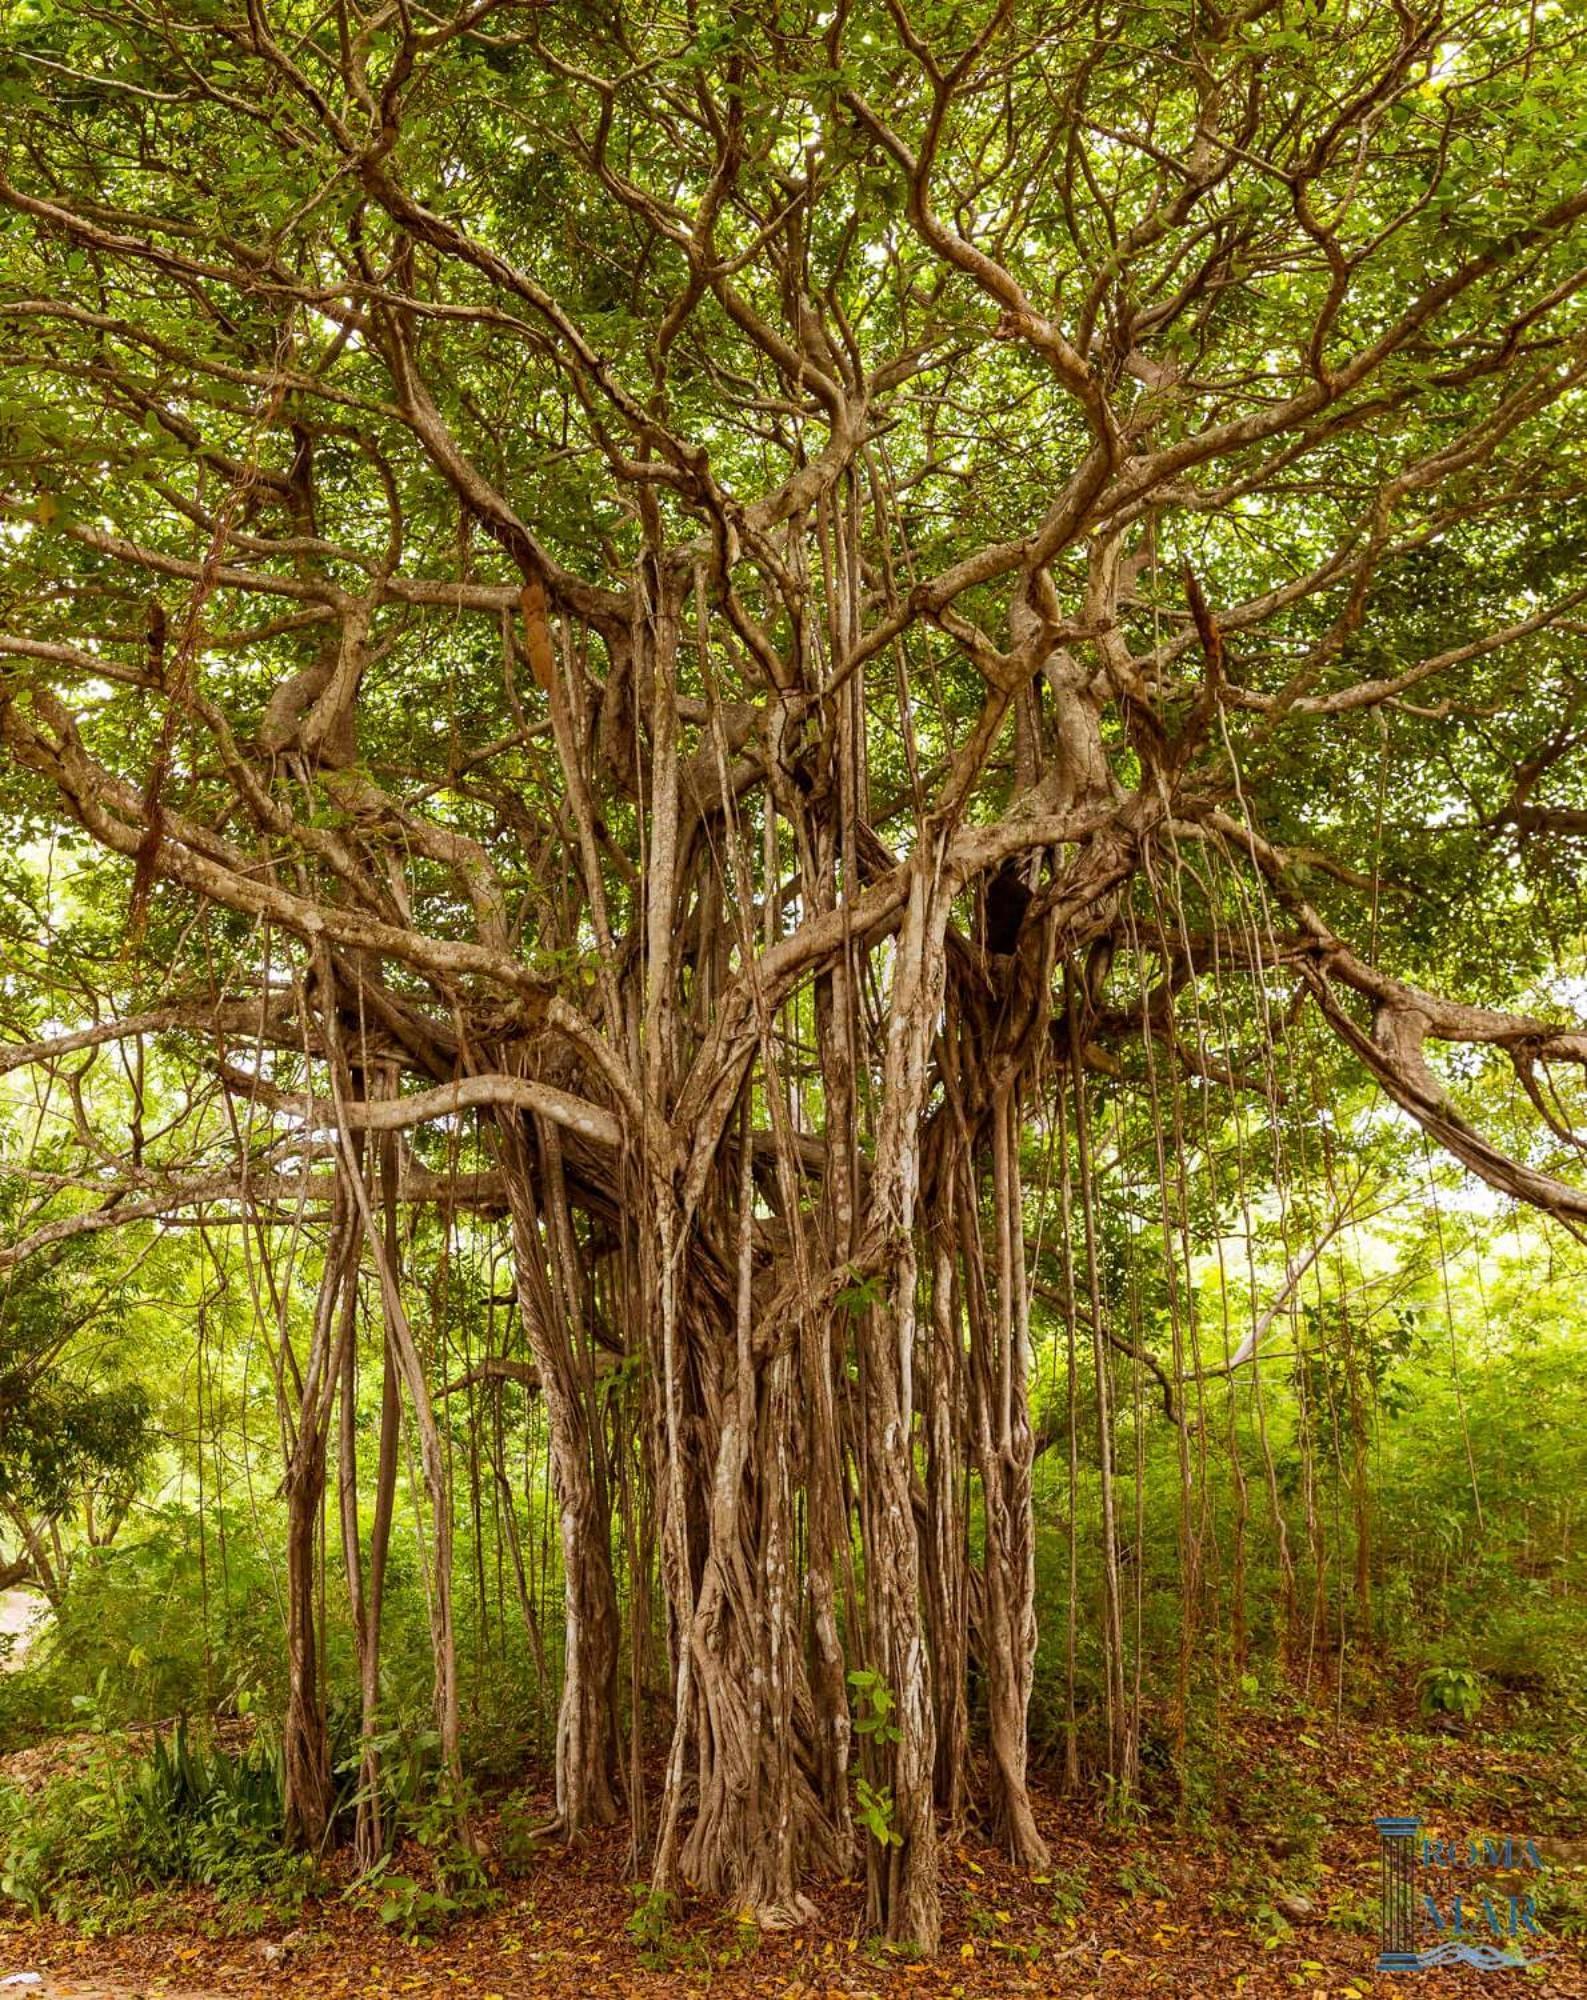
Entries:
{"x":139,"y":1815}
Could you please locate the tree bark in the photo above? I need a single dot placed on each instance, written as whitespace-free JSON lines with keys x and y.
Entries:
{"x":367,"y":1583}
{"x":306,"y":1751}
{"x":586,"y":1746}
{"x":999,"y":1374}
{"x":902,"y":1876}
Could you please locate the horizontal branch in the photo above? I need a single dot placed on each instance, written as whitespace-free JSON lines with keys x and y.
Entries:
{"x":446,"y":1100}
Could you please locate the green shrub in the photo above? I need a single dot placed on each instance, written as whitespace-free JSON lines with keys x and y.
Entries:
{"x":650,"y":1926}
{"x":1066,"y":1890}
{"x":134,"y":1817}
{"x":1454,"y":1691}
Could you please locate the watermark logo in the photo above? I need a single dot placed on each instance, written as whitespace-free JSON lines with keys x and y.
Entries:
{"x":1443,"y":1903}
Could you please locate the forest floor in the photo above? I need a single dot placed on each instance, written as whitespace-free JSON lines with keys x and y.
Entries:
{"x":1266,"y":1891}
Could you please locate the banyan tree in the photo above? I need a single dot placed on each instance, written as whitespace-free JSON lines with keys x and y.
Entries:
{"x":697,"y":632}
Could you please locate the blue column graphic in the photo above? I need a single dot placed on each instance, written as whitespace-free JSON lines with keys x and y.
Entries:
{"x":1398,"y":1951}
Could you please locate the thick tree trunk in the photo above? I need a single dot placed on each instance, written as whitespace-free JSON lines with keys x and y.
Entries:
{"x":902,"y":1875}
{"x":757,"y":1826}
{"x":760,"y":1822}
